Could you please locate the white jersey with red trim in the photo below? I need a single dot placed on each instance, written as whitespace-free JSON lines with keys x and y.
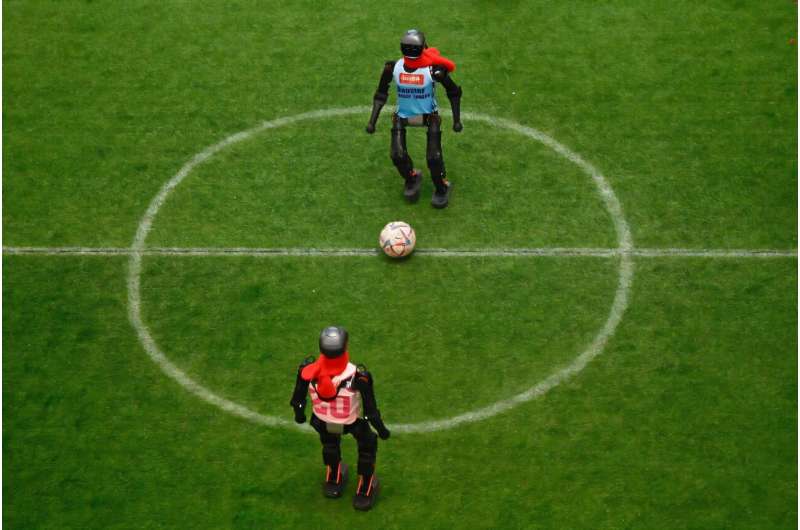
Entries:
{"x":345,"y":408}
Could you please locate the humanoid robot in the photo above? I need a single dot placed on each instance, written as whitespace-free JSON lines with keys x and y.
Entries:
{"x":343,"y":403}
{"x":415,"y":75}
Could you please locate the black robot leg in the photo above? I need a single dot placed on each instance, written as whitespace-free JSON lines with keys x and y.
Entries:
{"x":335,"y":469}
{"x":400,"y":156}
{"x":331,"y":443}
{"x":368,"y":485}
{"x":367,"y":447}
{"x":403,"y":163}
{"x":434,"y":153}
{"x":435,"y":158}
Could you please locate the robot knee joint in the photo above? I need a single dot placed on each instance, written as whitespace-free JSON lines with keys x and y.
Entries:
{"x":400,"y":158}
{"x":435,"y":161}
{"x":368,"y":445}
{"x":331,"y":455}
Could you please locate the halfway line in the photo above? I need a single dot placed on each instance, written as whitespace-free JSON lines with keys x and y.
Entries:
{"x":438,"y":252}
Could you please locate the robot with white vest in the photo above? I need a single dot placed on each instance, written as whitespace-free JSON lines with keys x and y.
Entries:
{"x":414,"y":75}
{"x":343,"y":402}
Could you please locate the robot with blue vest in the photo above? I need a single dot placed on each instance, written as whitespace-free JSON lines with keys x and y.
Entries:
{"x":415,"y":74}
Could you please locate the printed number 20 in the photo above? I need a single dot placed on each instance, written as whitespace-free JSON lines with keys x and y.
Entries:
{"x":339,"y":408}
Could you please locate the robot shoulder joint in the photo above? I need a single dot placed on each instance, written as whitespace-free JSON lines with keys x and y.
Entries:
{"x":363,"y":377}
{"x":439,"y":73}
{"x":308,"y":360}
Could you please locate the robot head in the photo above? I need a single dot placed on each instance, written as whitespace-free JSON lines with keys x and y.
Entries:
{"x":333,"y":341}
{"x":412,"y":43}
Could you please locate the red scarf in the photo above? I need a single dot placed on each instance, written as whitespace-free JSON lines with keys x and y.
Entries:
{"x":322,"y":370}
{"x":430,"y":57}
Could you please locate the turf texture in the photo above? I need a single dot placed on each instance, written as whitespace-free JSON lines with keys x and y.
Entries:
{"x":688,"y":419}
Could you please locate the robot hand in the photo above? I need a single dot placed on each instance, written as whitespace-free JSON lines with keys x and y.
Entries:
{"x":299,"y":415}
{"x":457,"y":127}
{"x":384,"y":433}
{"x":377,"y":422}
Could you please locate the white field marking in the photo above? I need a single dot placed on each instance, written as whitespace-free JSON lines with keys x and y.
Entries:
{"x":618,"y":306}
{"x":624,"y":237}
{"x":135,"y":268}
{"x":713,"y":253}
{"x":624,"y":251}
{"x":434,"y":252}
{"x":579,"y":363}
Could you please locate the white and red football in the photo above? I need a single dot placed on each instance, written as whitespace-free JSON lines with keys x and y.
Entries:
{"x":397,"y":239}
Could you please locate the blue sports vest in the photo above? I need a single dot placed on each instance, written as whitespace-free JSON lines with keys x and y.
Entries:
{"x":415,"y":91}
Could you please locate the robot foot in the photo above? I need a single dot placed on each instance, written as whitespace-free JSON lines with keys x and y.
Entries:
{"x":440,"y":200}
{"x":335,"y":481}
{"x":367,"y":493}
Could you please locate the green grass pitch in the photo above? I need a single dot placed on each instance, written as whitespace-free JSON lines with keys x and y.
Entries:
{"x":686,"y":420}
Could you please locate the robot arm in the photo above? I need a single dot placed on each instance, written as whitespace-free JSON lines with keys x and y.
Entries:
{"x":364,"y":384}
{"x":453,"y":94}
{"x":381,"y":95}
{"x":298,"y":401}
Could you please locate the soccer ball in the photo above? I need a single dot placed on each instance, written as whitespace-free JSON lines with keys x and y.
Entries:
{"x":397,"y":239}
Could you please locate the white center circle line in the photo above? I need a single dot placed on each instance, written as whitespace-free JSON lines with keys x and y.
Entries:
{"x":618,"y":306}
